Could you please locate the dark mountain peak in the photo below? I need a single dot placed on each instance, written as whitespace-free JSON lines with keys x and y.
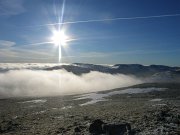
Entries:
{"x":127,"y":65}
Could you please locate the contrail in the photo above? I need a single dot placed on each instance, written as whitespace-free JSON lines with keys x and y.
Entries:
{"x":110,"y":19}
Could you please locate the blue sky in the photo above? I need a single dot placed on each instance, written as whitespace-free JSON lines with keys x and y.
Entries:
{"x":107,"y":40}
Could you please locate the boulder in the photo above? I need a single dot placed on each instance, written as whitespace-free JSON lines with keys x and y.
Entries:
{"x":117,"y":129}
{"x":98,"y":127}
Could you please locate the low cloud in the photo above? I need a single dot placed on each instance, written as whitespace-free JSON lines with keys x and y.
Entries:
{"x":17,"y":83}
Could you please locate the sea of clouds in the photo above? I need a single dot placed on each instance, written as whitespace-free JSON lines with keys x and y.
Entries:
{"x":20,"y":80}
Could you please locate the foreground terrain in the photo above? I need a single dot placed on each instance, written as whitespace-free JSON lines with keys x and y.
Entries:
{"x":148,"y":108}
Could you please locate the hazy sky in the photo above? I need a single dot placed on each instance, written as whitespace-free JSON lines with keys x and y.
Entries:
{"x":118,"y":31}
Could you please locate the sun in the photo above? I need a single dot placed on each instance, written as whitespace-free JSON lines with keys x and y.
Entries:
{"x":59,"y":38}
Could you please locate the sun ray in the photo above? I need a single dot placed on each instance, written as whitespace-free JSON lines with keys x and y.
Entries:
{"x":60,"y":53}
{"x":59,"y":38}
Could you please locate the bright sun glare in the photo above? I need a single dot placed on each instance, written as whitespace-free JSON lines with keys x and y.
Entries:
{"x":59,"y":38}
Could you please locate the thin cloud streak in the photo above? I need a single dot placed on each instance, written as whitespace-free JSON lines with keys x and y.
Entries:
{"x":12,"y":7}
{"x":5,"y":43}
{"x":110,"y":19}
{"x":43,"y":43}
{"x":35,"y":44}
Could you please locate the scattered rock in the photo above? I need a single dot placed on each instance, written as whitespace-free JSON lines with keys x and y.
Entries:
{"x":61,"y":130}
{"x":161,"y":120}
{"x":7,"y":126}
{"x":86,"y":118}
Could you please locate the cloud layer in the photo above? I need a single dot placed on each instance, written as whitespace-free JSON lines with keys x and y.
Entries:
{"x":16,"y":83}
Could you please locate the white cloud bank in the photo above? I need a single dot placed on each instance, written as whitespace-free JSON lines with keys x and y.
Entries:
{"x":16,"y":83}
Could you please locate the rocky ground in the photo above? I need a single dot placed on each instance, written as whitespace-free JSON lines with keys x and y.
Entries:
{"x":152,"y":113}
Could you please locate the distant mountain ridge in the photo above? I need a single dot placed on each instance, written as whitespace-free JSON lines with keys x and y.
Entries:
{"x":79,"y":68}
{"x":152,"y":73}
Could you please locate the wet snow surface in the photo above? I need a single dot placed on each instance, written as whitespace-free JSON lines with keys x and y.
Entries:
{"x":34,"y":101}
{"x":96,"y":97}
{"x":156,"y":100}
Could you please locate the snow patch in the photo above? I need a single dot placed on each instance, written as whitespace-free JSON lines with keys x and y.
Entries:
{"x":34,"y":101}
{"x":159,"y":105}
{"x":66,"y":107}
{"x":96,"y":97}
{"x":156,"y":100}
{"x":40,"y":112}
